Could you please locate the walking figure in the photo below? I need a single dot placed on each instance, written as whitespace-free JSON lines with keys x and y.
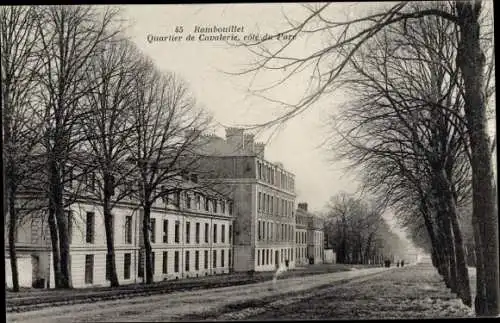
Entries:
{"x":397,"y":264}
{"x":402,"y":263}
{"x":280,"y":269}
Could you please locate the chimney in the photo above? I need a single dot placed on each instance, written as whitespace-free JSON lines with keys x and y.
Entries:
{"x":192,"y":133}
{"x":259,"y":149}
{"x":303,"y":206}
{"x":249,"y":143}
{"x":234,"y":138}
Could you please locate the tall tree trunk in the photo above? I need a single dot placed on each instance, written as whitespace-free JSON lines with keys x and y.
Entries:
{"x":462,"y":271}
{"x":54,"y":240}
{"x":480,"y":299}
{"x":110,"y":243}
{"x":444,"y":253}
{"x":471,"y":60}
{"x":12,"y":236}
{"x":463,"y":285}
{"x":450,"y":242}
{"x":146,"y":223}
{"x":62,"y":225}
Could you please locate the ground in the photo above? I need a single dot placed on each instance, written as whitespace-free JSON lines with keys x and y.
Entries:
{"x":409,"y":292}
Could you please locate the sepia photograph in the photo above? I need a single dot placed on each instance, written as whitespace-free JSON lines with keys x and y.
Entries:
{"x":249,"y":161}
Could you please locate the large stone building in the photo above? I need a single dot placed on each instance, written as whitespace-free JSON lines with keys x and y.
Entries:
{"x":314,"y":228}
{"x":264,"y":197}
{"x":191,"y":235}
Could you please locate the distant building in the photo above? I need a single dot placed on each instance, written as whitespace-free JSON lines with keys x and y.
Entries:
{"x":264,"y":197}
{"x":315,"y":233}
{"x":301,"y":234}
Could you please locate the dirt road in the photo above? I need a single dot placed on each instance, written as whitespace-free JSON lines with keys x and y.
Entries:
{"x":173,"y":306}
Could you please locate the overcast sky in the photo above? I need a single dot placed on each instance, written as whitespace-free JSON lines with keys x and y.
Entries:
{"x":203,"y":63}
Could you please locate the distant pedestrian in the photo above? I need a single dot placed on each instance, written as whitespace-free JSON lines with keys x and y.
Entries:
{"x":397,"y":264}
{"x":402,"y":263}
{"x":281,"y":268}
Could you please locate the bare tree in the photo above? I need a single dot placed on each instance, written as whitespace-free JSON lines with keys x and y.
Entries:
{"x":108,"y":127}
{"x":356,"y":230}
{"x":408,"y":143}
{"x":69,"y":38}
{"x":18,"y":37}
{"x":162,"y":145}
{"x":347,"y":38}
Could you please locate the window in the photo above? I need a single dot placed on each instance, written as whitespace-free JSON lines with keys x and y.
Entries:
{"x":177,"y":199}
{"x":140,"y":264}
{"x":223,"y":234}
{"x":205,"y":259}
{"x":267,"y":256}
{"x":196,"y":260}
{"x":188,"y":232}
{"x":229,"y":258}
{"x":153,"y":262}
{"x":214,"y":260}
{"x":263,"y":257}
{"x":89,"y":237}
{"x":263,"y":230}
{"x":268,"y":234}
{"x":187,"y":261}
{"x":259,"y":232}
{"x":126,"y":266}
{"x":176,"y":261}
{"x":194,"y":178}
{"x":128,"y":229}
{"x":215,"y":233}
{"x":207,"y":200}
{"x":198,"y":201}
{"x":165,"y":262}
{"x":268,"y":198}
{"x":272,"y":204}
{"x":197,"y":232}
{"x":153,"y":230}
{"x":230,"y":233}
{"x":222,"y":258}
{"x":176,"y":232}
{"x":165,"y":231}
{"x":259,"y":202}
{"x":230,"y":208}
{"x":215,"y":203}
{"x":89,"y":269}
{"x":223,"y":207}
{"x":206,"y":233}
{"x":188,"y":200}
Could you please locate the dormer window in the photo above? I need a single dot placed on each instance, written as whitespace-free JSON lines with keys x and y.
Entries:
{"x":207,"y":200}
{"x":194,"y":178}
{"x":198,"y":201}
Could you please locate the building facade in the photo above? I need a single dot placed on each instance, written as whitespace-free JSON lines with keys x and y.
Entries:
{"x":315,"y":235}
{"x":191,"y":236}
{"x":301,"y":236}
{"x":264,"y":198}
